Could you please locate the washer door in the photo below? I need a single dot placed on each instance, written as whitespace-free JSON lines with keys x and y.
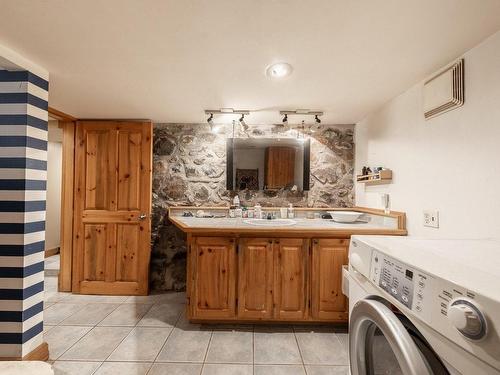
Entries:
{"x":381,"y":342}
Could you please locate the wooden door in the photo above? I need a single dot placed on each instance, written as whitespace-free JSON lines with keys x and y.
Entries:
{"x":214,"y":284}
{"x":280,"y":167}
{"x":256,"y":278}
{"x":291,"y":258}
{"x":112,"y":207}
{"x":327,"y":300}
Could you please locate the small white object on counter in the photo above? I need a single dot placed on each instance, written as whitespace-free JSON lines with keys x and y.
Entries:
{"x":283,"y":212}
{"x":257,"y":211}
{"x":291,"y":214}
{"x":345,"y":216}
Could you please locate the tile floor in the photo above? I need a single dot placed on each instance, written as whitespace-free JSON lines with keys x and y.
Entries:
{"x":150,"y":335}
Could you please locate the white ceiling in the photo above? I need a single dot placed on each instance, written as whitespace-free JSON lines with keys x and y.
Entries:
{"x":168,"y":60}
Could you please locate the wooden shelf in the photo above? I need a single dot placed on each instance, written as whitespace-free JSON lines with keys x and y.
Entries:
{"x":382,"y":177}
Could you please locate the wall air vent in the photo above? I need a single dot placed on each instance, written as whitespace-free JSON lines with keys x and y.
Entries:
{"x":444,"y":91}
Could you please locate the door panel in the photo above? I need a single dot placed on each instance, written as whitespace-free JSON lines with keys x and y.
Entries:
{"x":99,"y":170}
{"x":256,"y":270}
{"x":291,"y":279}
{"x":215,"y":277}
{"x":129,"y":170}
{"x":328,"y":257}
{"x":127,"y":251}
{"x":112,"y":207}
{"x":94,"y":264}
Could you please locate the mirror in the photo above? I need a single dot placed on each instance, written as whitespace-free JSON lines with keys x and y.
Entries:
{"x":267,"y":163}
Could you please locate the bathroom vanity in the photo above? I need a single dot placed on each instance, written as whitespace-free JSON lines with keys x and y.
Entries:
{"x":239,"y":271}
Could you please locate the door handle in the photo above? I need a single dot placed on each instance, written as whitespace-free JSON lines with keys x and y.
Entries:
{"x":142,"y":216}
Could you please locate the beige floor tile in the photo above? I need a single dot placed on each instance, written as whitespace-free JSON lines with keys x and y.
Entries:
{"x":83,"y":298}
{"x":321,"y":348}
{"x":127,"y":314}
{"x":56,"y":313}
{"x":98,"y":344}
{"x":227,"y":369}
{"x":75,"y":368}
{"x":142,"y":344}
{"x":54,"y":296}
{"x":327,"y":370}
{"x":46,"y":305}
{"x":62,"y":338}
{"x":172,"y":297}
{"x":162,"y":315}
{"x":123,"y":368}
{"x":152,"y":298}
{"x":91,"y":314}
{"x":279,"y":370}
{"x":175,"y":369}
{"x":276,"y":346}
{"x":185,"y":346}
{"x":231,"y":347}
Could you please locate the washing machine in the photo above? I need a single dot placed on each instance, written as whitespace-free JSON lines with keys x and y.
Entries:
{"x":422,"y":306}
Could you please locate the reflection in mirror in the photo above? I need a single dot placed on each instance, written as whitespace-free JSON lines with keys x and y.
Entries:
{"x":267,"y":164}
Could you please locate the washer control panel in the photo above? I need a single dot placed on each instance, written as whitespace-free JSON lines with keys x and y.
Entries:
{"x":402,"y":282}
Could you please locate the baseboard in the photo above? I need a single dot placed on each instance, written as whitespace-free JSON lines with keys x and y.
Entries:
{"x":40,"y":353}
{"x":50,"y":252}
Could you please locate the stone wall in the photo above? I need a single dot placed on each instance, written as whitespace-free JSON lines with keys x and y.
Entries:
{"x":189,"y":163}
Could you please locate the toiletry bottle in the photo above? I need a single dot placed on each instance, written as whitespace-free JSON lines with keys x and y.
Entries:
{"x":231,"y":211}
{"x":291,"y":214}
{"x":283,"y":212}
{"x":257,"y":211}
{"x":236,"y":201}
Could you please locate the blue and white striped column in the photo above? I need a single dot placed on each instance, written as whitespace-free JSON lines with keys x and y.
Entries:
{"x":23,"y":178}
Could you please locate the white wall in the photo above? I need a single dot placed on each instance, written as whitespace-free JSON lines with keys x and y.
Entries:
{"x":54,"y":182}
{"x":450,"y":163}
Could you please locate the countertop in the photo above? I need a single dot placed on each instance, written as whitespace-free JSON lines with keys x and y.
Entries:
{"x":375,"y":225}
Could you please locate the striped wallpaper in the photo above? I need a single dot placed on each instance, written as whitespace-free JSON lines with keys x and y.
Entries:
{"x":23,"y":175}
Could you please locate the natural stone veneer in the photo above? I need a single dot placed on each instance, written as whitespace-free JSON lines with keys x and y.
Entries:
{"x":189,"y":168}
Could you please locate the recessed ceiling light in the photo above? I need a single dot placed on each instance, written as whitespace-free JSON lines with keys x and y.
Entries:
{"x":279,"y":70}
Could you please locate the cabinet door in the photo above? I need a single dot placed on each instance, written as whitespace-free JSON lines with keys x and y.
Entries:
{"x":327,"y":300}
{"x":255,"y":286}
{"x":291,"y":257}
{"x":214,"y":263}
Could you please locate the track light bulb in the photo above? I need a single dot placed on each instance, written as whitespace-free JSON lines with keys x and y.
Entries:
{"x":285,"y":120}
{"x":243,"y":124}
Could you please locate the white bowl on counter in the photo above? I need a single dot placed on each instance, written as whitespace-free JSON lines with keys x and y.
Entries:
{"x":345,"y":216}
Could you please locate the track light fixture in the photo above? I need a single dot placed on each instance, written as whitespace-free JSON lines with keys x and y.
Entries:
{"x":301,"y":112}
{"x":225,"y":111}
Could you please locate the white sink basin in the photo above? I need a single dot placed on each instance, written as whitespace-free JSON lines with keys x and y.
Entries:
{"x":270,"y":223}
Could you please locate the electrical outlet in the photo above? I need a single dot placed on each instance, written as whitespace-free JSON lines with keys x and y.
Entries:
{"x":431,"y":218}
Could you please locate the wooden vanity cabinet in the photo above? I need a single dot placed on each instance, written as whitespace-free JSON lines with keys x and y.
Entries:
{"x":327,"y":300}
{"x":213,"y":277}
{"x":267,"y":279}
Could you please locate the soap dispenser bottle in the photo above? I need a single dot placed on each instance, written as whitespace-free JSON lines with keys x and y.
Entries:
{"x":291,"y":213}
{"x":257,"y":211}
